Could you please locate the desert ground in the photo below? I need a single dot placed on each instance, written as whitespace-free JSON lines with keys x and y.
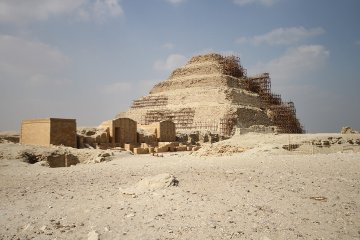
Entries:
{"x":247,"y":187}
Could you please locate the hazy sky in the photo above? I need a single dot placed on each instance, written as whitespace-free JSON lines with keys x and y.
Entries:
{"x":88,"y":59}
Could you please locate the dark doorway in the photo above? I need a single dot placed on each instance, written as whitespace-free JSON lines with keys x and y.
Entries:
{"x":117,"y":135}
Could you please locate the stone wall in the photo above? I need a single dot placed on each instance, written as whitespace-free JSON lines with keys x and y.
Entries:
{"x":149,"y":139}
{"x":166,"y":131}
{"x":249,"y":117}
{"x":256,"y":129}
{"x":45,"y":132}
{"x":123,"y":131}
{"x":62,"y":160}
{"x":93,"y":137}
{"x":63,"y":132}
{"x":202,"y":81}
{"x":35,"y":132}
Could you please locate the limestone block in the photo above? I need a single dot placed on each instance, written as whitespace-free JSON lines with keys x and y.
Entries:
{"x":129,"y":147}
{"x":61,"y":160}
{"x":165,"y":144}
{"x":144,"y":145}
{"x":181,"y":148}
{"x":196,"y":148}
{"x":141,"y":150}
{"x":151,"y":150}
{"x":160,"y":149}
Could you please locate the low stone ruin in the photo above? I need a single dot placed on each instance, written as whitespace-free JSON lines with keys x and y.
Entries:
{"x":92,"y":137}
{"x":53,"y":159}
{"x":9,"y":137}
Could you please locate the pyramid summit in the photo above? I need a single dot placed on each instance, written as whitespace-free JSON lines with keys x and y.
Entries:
{"x":213,"y":92}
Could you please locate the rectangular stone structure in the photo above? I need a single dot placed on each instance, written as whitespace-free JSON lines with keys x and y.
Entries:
{"x":141,"y":150}
{"x":164,"y":131}
{"x":49,"y":131}
{"x":122,"y":131}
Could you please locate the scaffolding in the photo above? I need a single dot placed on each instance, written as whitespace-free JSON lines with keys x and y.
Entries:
{"x":283,"y":113}
{"x":225,"y":126}
{"x":231,"y":66}
{"x":150,"y":101}
{"x":212,"y":126}
{"x":184,"y":121}
{"x":285,"y":118}
{"x":182,"y":118}
{"x":260,"y":84}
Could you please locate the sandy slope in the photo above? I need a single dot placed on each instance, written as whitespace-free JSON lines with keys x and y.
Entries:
{"x":251,"y":195}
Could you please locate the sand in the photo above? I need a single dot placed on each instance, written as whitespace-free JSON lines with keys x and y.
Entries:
{"x":263,"y":192}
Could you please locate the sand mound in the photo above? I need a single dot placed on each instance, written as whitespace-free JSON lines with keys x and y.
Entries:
{"x":150,"y":184}
{"x":220,"y":150}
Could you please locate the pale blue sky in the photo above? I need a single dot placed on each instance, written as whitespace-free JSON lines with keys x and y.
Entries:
{"x":88,"y":59}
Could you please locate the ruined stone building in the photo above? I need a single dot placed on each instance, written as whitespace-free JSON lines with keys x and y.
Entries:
{"x":121,"y":131}
{"x":213,"y":92}
{"x":163,"y":131}
{"x":126,"y":133}
{"x":112,"y":133}
{"x":50,"y":131}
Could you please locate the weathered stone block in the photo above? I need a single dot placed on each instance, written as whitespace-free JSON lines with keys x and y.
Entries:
{"x":129,"y":147}
{"x":141,"y":150}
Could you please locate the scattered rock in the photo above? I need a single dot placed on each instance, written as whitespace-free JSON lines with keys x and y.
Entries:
{"x":321,"y":199}
{"x":130,"y":215}
{"x":43,"y":228}
{"x":29,"y":157}
{"x":28,"y":227}
{"x":196,"y":148}
{"x":265,"y":238}
{"x":93,"y":235}
{"x":43,"y":164}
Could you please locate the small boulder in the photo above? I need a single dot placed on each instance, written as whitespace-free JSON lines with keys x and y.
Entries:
{"x":93,"y":235}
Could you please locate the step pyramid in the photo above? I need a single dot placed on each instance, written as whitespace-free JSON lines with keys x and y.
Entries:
{"x":213,"y":92}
